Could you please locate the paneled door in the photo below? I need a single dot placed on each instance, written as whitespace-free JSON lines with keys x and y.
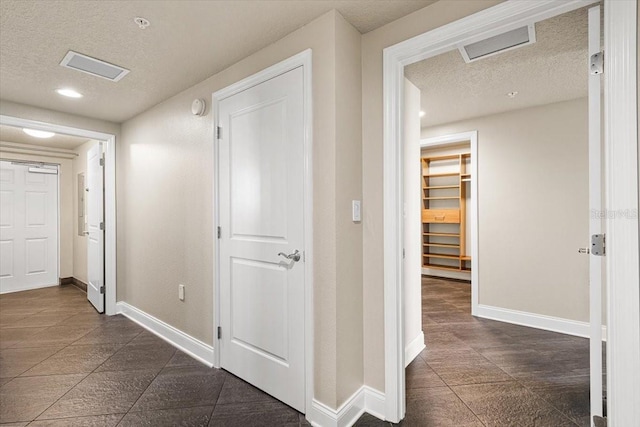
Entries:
{"x":261,"y":261}
{"x":95,"y":227}
{"x":28,"y":226}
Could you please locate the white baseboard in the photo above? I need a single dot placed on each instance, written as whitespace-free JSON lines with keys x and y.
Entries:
{"x":538,"y":321}
{"x":366,"y":399}
{"x":192,"y":346}
{"x":413,"y":349}
{"x":447,"y":274}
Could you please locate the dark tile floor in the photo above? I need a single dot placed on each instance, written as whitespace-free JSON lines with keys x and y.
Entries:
{"x":62,"y":364}
{"x":478,"y":372}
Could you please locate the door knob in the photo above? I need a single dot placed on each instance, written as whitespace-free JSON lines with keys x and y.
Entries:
{"x":294,"y":256}
{"x":583,"y":250}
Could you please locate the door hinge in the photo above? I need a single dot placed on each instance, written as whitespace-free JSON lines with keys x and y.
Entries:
{"x":219,"y":232}
{"x":102,"y":289}
{"x":102,"y":161}
{"x":219,"y":332}
{"x":218,"y":132}
{"x":598,"y":244}
{"x":596,"y":63}
{"x":102,"y":226}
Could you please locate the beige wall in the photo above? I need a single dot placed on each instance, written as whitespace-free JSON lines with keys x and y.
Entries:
{"x":165,"y":207}
{"x":348,"y":187}
{"x":65,"y":176}
{"x":79,"y":242}
{"x":412,"y":215}
{"x":373,"y":43}
{"x":533,"y":208}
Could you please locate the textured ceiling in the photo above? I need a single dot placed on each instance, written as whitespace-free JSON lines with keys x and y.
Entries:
{"x":187,"y":42}
{"x":13,"y":134}
{"x":551,"y":70}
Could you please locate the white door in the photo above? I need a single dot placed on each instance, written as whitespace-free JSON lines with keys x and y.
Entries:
{"x":596,"y":263}
{"x":95,"y":228}
{"x":261,"y":165}
{"x":28,"y":226}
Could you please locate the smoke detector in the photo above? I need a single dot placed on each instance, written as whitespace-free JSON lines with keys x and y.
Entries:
{"x":95,"y":67}
{"x":503,"y":42}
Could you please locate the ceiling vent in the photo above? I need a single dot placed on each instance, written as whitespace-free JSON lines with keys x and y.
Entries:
{"x":95,"y":67}
{"x":500,"y":43}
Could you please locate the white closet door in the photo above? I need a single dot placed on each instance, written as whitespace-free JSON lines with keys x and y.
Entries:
{"x":28,"y":227}
{"x":95,"y":228}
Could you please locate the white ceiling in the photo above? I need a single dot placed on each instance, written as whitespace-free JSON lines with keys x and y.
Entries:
{"x":187,"y":42}
{"x":14,"y":134}
{"x":551,"y":70}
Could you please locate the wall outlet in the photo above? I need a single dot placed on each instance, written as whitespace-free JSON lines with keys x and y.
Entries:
{"x":181,"y":292}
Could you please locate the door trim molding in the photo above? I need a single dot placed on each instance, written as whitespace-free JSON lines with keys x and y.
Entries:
{"x":304,"y":60}
{"x":621,"y":189}
{"x":452,"y":139}
{"x":109,"y":141}
{"x":502,"y":17}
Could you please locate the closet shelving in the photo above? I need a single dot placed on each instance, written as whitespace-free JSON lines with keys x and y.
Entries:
{"x":444,"y":182}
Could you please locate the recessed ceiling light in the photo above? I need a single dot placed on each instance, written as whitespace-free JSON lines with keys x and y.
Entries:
{"x":512,"y":94}
{"x":70,"y":93}
{"x":422,"y":113}
{"x":38,"y":133}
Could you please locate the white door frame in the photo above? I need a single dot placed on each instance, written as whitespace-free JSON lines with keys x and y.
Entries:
{"x":58,"y":170}
{"x":453,"y":139}
{"x":303,"y":59}
{"x":621,"y":180}
{"x":109,"y":194}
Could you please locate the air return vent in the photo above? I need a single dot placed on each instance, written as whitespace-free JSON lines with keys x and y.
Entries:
{"x":95,"y":67}
{"x":500,"y":43}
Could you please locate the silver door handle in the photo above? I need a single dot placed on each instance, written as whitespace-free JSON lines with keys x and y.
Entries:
{"x":583,"y":250}
{"x":294,"y":256}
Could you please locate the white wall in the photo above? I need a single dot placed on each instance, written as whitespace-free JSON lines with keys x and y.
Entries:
{"x":79,"y":242}
{"x":412,"y":264}
{"x":533,"y":208}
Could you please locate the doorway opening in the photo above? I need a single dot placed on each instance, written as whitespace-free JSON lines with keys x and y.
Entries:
{"x":81,"y":248}
{"x":468,"y":30}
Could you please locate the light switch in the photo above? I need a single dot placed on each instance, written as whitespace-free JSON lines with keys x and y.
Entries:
{"x":356,"y":214}
{"x":181,"y":292}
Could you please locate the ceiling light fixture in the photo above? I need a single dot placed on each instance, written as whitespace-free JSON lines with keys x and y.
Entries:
{"x":142,"y":22}
{"x":512,"y":94}
{"x":422,"y":113}
{"x":69,"y":93}
{"x":38,"y":133}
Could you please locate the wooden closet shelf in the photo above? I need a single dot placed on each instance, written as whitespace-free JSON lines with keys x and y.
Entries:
{"x":441,"y":267}
{"x":440,"y":187}
{"x":443,"y":256}
{"x":434,"y":175}
{"x":442,"y":198}
{"x":442,"y":234}
{"x":465,"y":258}
{"x":442,"y":245}
{"x":446,"y":157}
